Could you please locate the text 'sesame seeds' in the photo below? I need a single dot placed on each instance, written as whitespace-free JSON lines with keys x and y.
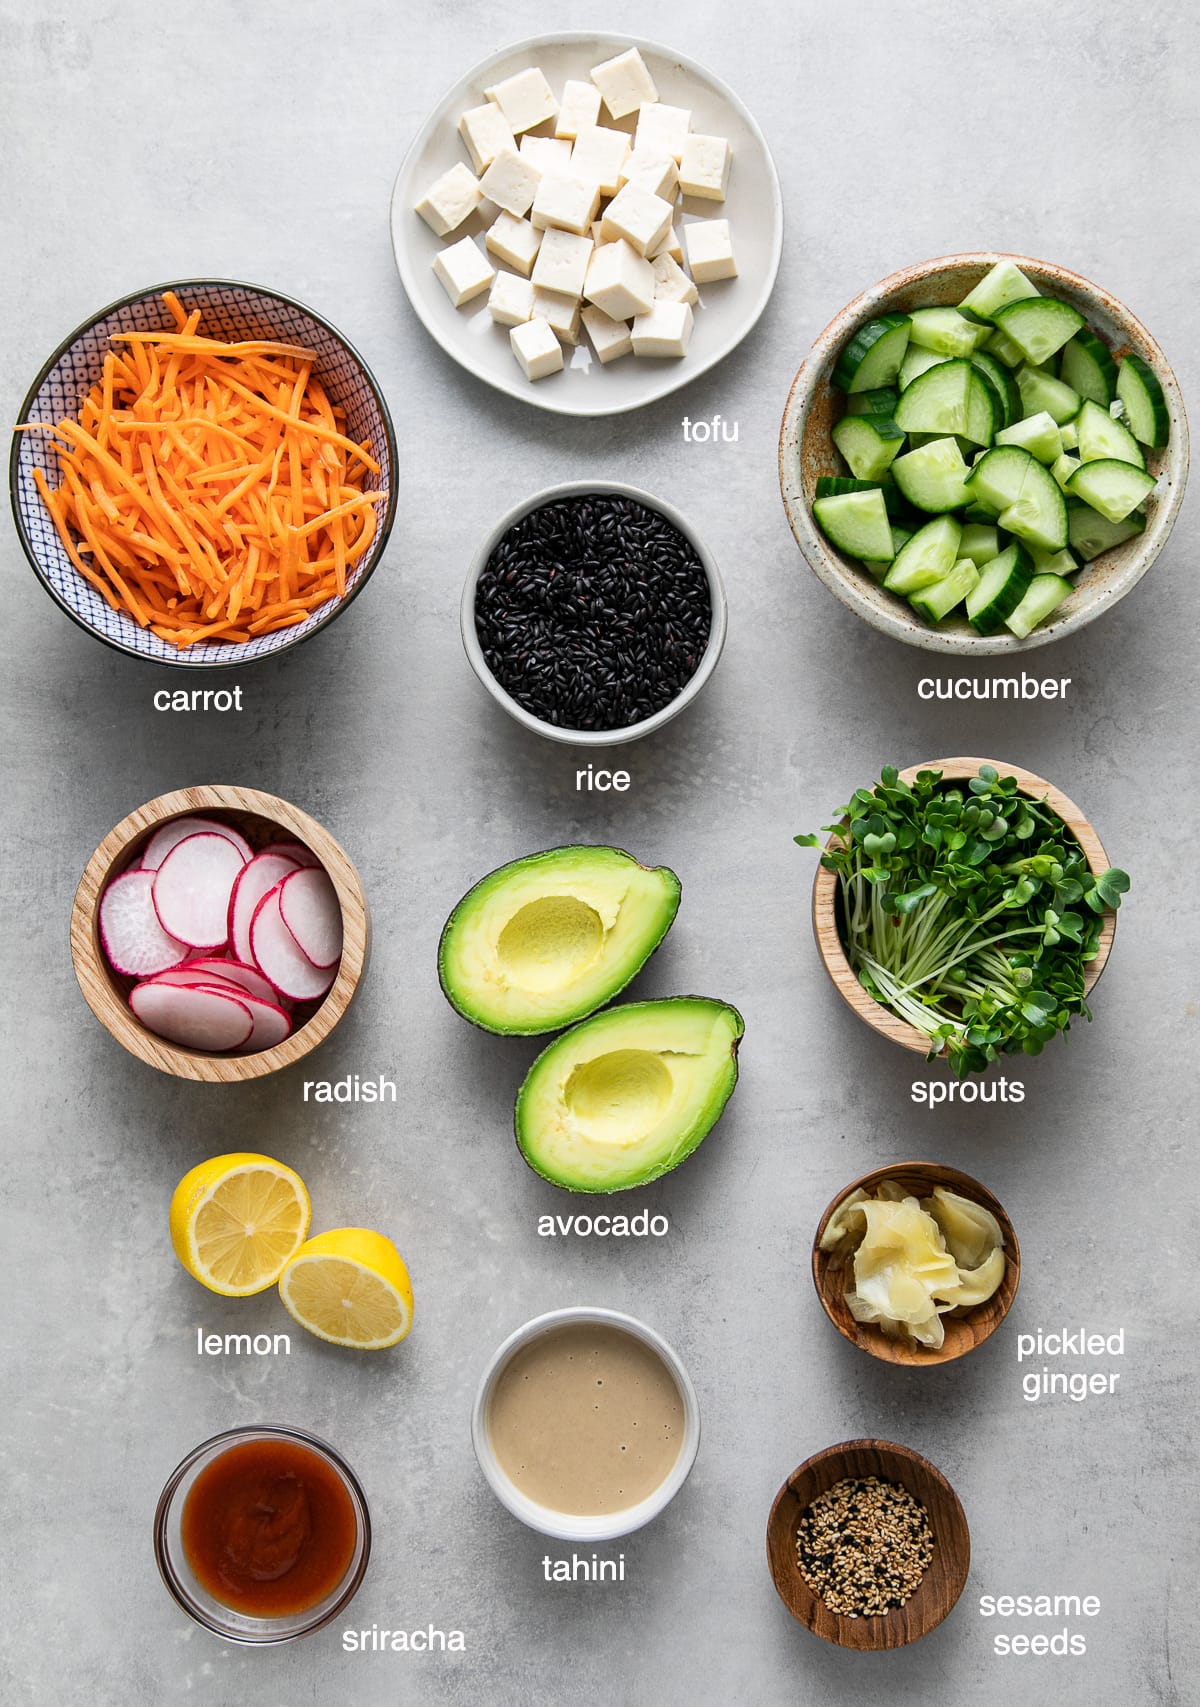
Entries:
{"x":593,"y":612}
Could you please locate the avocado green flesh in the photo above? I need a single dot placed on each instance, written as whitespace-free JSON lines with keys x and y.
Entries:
{"x":627,"y":1095}
{"x":546,"y":940}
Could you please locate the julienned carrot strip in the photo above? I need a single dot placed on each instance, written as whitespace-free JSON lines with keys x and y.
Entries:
{"x":209,"y":489}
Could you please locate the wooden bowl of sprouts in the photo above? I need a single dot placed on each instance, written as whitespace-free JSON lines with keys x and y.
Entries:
{"x":916,"y":982}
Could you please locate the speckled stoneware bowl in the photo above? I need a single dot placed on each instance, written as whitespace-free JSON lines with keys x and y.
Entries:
{"x":806,"y":451}
{"x":231,"y":311}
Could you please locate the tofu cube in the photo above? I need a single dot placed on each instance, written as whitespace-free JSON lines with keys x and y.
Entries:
{"x":486,"y":131}
{"x":620,"y":281}
{"x":510,"y":300}
{"x":639,"y":217}
{"x":671,"y":283}
{"x":600,"y":154}
{"x":704,"y":167}
{"x":662,"y":129}
{"x":453,"y":198}
{"x":562,"y":262}
{"x":609,"y":338}
{"x":624,"y":83}
{"x":654,"y":172}
{"x":536,"y":348}
{"x":665,"y":331}
{"x":515,"y":242}
{"x":579,"y":110}
{"x":561,"y":314}
{"x":671,"y":246}
{"x":567,"y":204}
{"x":547,"y":153}
{"x":464,"y":270}
{"x":511,"y":182}
{"x":525,"y":100}
{"x":709,"y":250}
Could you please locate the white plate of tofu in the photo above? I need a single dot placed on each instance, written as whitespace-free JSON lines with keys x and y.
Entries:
{"x":588,"y":222}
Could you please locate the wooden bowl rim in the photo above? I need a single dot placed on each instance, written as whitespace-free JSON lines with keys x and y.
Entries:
{"x":824,"y":898}
{"x":948,"y":1569}
{"x":95,"y":979}
{"x":838,"y":572}
{"x":872,"y":1340}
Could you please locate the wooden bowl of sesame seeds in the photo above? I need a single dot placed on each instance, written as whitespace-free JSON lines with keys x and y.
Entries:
{"x":883,"y":1511}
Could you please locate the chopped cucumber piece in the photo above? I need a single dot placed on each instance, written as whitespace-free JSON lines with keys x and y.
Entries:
{"x":933,"y":477}
{"x":1063,"y":468}
{"x":1101,"y":439}
{"x":916,"y":362}
{"x":1112,"y":487}
{"x":1045,"y":594}
{"x":979,"y":512}
{"x":937,"y":601}
{"x":926,"y":557}
{"x":952,"y":397}
{"x":1001,"y":587}
{"x":1003,"y":384}
{"x":833,"y":485}
{"x":1029,"y":502}
{"x":872,"y":357}
{"x":881,"y":402}
{"x":1002,"y":347}
{"x":1062,"y":562}
{"x":1069,"y":434}
{"x":1091,"y":534}
{"x":1042,"y":394}
{"x":1002,"y":284}
{"x":1039,"y":325}
{"x":1145,"y":405}
{"x":1087,"y":366}
{"x":1038,"y":434}
{"x":868,"y":443}
{"x":856,"y":522}
{"x":980,"y":542}
{"x":878,"y":567}
{"x":945,"y":331}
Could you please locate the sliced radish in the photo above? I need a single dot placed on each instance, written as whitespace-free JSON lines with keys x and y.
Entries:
{"x":253,"y":881}
{"x":197,"y":1019}
{"x":271,"y":1025}
{"x":234,"y":972}
{"x":134,"y":940}
{"x":312,"y":912}
{"x":187,"y":978}
{"x":280,"y":958}
{"x":192,"y":888}
{"x":174,"y":832}
{"x":271,"y":1022}
{"x":295,"y":851}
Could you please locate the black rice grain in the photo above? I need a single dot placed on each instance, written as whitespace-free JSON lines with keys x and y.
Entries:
{"x":593,"y":612}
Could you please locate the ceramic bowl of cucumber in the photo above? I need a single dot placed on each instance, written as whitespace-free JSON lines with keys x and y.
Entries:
{"x":982,"y":453}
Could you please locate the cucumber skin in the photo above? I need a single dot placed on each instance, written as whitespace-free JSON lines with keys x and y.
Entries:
{"x":849,"y":363}
{"x":1088,"y":367}
{"x":1001,"y":606}
{"x":1140,"y":382}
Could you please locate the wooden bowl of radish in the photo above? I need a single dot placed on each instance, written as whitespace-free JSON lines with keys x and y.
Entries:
{"x":219,"y":933}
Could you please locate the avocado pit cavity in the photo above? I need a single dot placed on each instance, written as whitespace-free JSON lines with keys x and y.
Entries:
{"x":617,"y":1098}
{"x":550,"y":942}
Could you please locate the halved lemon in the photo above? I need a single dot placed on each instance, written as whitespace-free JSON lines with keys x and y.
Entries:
{"x":349,"y":1287}
{"x":235,"y":1221}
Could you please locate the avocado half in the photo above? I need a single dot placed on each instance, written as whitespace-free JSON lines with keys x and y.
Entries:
{"x":546,"y":940}
{"x":628,"y":1094}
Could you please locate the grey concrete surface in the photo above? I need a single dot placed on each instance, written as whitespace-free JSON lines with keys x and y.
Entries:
{"x":149,"y":141}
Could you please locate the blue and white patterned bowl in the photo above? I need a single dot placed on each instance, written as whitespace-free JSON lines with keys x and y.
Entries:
{"x":231,"y":310}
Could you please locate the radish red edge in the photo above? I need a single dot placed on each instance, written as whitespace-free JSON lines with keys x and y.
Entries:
{"x":280,"y":958}
{"x":214,"y":1021}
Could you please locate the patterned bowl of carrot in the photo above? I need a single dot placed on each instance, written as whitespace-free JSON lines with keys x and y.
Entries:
{"x":204,"y":474}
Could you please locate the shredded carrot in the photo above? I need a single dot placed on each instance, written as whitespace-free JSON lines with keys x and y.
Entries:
{"x":209,"y":489}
